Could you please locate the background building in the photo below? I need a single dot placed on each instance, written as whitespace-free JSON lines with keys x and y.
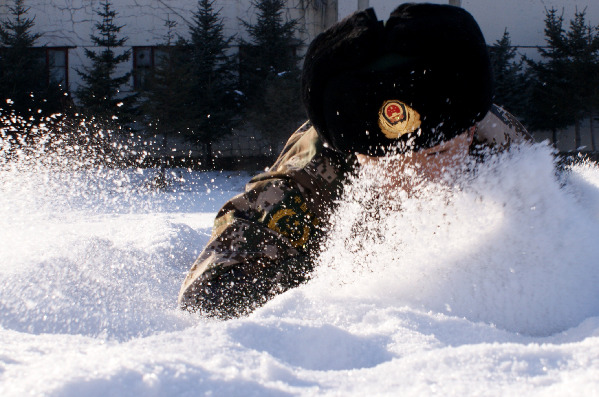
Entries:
{"x":68,"y":24}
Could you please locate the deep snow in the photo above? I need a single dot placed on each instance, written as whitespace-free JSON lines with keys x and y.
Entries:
{"x":486,"y":285}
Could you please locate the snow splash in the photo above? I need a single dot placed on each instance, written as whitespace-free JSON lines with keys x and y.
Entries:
{"x":92,"y":249}
{"x":88,"y":245}
{"x":443,"y":287}
{"x":509,"y":243}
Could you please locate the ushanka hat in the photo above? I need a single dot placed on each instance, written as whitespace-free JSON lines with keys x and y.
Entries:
{"x":411,"y":83}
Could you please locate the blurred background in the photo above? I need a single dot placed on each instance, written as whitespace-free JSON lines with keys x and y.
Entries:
{"x":215,"y":83}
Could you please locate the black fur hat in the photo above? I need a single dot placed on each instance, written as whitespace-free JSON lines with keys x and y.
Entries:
{"x":422,"y":78}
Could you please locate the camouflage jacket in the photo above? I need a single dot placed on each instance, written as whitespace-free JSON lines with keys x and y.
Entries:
{"x":263,"y":239}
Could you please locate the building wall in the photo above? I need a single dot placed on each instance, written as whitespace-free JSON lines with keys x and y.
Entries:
{"x":71,"y":22}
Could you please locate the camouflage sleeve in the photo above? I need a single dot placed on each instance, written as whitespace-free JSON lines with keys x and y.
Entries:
{"x":262,"y":239}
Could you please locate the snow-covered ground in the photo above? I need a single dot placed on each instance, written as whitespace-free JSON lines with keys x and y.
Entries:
{"x":488,"y":286}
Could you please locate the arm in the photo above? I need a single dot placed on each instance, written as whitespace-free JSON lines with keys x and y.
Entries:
{"x":259,"y":248}
{"x":263,"y":239}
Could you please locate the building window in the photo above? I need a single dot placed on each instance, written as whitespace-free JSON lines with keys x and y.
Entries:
{"x":55,"y":61}
{"x":145,"y":59}
{"x":57,"y":64}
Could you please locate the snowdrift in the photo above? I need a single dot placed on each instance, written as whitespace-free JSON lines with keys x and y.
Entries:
{"x":484,"y":285}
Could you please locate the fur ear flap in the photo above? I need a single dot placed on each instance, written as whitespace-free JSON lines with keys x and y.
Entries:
{"x":431,"y":58}
{"x":348,"y":45}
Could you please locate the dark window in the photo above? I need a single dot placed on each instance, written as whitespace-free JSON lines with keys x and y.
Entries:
{"x":57,"y":63}
{"x":145,"y":59}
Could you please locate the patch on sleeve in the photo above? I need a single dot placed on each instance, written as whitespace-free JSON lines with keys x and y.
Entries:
{"x":293,"y":220}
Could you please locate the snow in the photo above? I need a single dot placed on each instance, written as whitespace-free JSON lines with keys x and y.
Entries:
{"x":483,"y":285}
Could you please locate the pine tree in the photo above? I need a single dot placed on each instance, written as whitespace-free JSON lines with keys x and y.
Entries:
{"x":101,"y":95}
{"x":272,"y":46}
{"x":582,"y":47}
{"x":165,"y":96}
{"x":270,"y":76}
{"x":168,"y":92}
{"x":24,"y":85}
{"x":510,"y":81}
{"x":565,"y":82}
{"x":213,"y":103}
{"x":550,"y":108}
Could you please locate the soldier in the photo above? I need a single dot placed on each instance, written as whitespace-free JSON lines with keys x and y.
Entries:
{"x":417,"y":86}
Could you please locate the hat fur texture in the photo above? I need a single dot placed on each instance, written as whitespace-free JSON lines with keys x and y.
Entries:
{"x":430,"y":59}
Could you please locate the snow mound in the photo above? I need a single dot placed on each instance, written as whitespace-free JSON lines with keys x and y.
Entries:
{"x":97,"y":288}
{"x":98,"y":251}
{"x":508,"y":243}
{"x":438,"y":286}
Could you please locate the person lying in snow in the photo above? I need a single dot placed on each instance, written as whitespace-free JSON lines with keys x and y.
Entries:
{"x":417,"y":86}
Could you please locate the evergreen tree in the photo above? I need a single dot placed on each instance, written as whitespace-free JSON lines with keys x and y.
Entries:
{"x":565,"y":81}
{"x":24,"y":85}
{"x":270,"y":76}
{"x":100,"y":94}
{"x":213,"y":103}
{"x":272,"y":46}
{"x":510,"y":81}
{"x":168,"y":91}
{"x":550,"y":108}
{"x":165,"y":96}
{"x":582,"y":47}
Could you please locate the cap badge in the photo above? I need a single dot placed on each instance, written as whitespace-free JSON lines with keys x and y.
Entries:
{"x":396,"y":119}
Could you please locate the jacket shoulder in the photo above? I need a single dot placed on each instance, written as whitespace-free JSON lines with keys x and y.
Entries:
{"x":500,"y":129}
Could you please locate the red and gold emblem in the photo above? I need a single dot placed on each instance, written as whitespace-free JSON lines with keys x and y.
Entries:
{"x":396,"y":119}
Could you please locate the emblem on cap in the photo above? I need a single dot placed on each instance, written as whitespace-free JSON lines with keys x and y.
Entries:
{"x":396,"y":119}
